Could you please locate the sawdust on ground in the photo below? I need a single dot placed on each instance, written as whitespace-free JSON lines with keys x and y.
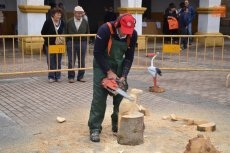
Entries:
{"x":72,"y":136}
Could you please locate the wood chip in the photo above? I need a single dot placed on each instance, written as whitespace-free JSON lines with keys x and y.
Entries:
{"x":61,"y":119}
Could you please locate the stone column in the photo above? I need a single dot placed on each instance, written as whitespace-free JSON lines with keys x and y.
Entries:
{"x":134,"y":7}
{"x":210,"y":12}
{"x":31,"y":16}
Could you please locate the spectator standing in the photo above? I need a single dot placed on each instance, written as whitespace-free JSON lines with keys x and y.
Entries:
{"x":77,"y":46}
{"x":113,"y":63}
{"x":53,"y":60}
{"x":191,"y":15}
{"x":183,"y":24}
{"x":170,"y":14}
{"x":110,"y":15}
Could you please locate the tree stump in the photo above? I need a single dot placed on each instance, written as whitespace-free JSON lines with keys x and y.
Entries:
{"x":200,"y":144}
{"x":131,"y":130}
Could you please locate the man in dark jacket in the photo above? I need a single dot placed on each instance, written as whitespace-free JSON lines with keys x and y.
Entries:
{"x":183,"y":24}
{"x":191,"y":17}
{"x":113,"y":63}
{"x":77,"y":46}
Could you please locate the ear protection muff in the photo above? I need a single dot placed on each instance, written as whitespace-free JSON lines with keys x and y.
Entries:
{"x":117,"y":23}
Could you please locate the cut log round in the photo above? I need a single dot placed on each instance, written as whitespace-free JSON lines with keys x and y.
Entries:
{"x":131,"y":130}
{"x":207,"y":127}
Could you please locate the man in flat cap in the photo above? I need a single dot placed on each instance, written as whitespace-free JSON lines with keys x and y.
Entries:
{"x":113,"y":57}
{"x":77,"y":45}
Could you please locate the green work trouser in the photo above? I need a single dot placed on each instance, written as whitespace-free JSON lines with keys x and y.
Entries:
{"x":98,"y":105}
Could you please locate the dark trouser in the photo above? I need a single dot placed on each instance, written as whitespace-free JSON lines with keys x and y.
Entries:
{"x":190,"y":32}
{"x":98,"y":105}
{"x":77,"y":50}
{"x":54,"y":63}
{"x":171,"y":39}
{"x":184,"y":40}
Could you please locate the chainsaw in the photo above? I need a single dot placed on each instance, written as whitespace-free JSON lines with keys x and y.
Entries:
{"x":113,"y":86}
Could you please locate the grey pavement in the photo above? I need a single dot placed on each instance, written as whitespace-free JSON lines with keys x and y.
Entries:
{"x":10,"y":131}
{"x":30,"y":105}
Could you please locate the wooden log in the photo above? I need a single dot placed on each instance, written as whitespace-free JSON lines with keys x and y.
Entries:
{"x":200,"y":144}
{"x":208,"y":127}
{"x":188,"y":121}
{"x":131,"y":130}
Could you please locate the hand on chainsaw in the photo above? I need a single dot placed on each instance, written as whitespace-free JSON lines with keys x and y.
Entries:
{"x":115,"y":86}
{"x":122,"y":83}
{"x":111,"y":75}
{"x":121,"y":79}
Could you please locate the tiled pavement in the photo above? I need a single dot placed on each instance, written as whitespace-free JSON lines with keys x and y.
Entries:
{"x":31,"y":103}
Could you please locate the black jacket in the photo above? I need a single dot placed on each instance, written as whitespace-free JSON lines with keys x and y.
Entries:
{"x":71,"y":29}
{"x":48,"y":29}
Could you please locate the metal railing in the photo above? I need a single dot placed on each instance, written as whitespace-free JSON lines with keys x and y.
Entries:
{"x":22,"y":54}
{"x":198,"y":56}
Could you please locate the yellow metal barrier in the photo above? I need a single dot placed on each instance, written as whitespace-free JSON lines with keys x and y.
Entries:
{"x":21,"y":58}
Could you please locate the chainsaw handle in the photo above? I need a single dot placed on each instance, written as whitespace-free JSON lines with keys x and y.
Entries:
{"x":109,"y":83}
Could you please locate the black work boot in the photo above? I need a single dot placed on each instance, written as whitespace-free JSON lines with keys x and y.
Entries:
{"x":114,"y":129}
{"x":95,"y":136}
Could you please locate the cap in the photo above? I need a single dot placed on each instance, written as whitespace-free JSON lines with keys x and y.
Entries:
{"x":127,"y":22}
{"x":78,"y":9}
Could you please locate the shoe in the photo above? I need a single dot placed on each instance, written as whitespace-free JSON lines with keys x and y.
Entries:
{"x":81,"y":80}
{"x":71,"y":81}
{"x":95,"y":136}
{"x":51,"y":80}
{"x":183,"y":48}
{"x":114,"y":129}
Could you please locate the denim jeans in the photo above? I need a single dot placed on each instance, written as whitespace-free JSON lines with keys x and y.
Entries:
{"x":184,"y":40}
{"x":77,"y":50}
{"x":190,"y":32}
{"x":54,"y":63}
